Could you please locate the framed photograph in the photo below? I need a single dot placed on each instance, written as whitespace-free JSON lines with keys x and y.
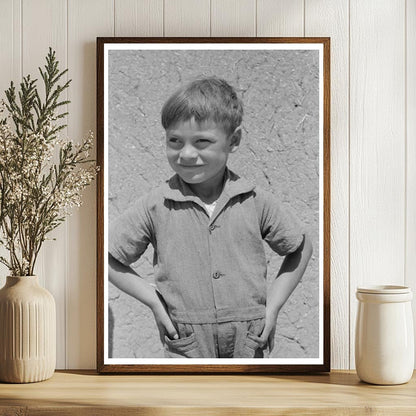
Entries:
{"x":213,"y":205}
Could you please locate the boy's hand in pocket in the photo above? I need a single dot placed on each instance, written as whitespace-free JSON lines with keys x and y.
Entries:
{"x":164,"y":323}
{"x":269,"y":330}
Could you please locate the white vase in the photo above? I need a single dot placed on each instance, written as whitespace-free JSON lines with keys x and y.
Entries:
{"x":384,"y":339}
{"x":27,"y":331}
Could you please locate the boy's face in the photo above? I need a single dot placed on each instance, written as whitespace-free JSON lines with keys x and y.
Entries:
{"x":198,"y":152}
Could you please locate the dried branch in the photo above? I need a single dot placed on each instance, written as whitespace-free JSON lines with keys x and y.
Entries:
{"x":37,"y":194}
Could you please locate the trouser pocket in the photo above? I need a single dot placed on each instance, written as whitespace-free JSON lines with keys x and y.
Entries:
{"x":184,"y":347}
{"x":251,"y":345}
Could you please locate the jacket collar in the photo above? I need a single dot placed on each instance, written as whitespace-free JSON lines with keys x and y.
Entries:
{"x":176,"y":189}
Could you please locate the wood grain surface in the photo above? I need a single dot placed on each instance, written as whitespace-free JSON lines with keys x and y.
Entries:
{"x":84,"y":392}
{"x":233,"y":18}
{"x":186,"y":18}
{"x":331,"y":18}
{"x":377,"y":149}
{"x":281,"y":18}
{"x":410,"y":261}
{"x":84,"y":20}
{"x":51,"y":264}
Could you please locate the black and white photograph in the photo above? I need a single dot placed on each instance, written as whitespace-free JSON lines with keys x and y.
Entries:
{"x":213,"y":205}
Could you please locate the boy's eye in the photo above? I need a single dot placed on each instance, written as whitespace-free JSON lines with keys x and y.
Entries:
{"x":173,"y":141}
{"x":203,"y":142}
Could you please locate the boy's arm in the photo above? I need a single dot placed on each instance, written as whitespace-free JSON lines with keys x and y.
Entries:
{"x":127,"y":280}
{"x":290,"y":273}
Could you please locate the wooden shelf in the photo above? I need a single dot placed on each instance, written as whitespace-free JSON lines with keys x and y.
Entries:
{"x":86,"y":393}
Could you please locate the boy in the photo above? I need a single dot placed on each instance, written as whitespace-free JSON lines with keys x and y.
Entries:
{"x":206,"y":225}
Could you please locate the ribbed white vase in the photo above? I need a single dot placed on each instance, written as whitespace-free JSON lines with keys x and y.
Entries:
{"x":27,"y":331}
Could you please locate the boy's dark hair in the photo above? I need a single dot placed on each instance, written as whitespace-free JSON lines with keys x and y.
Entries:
{"x":204,"y":99}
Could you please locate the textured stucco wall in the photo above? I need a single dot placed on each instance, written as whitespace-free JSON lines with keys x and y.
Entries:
{"x":279,"y":152}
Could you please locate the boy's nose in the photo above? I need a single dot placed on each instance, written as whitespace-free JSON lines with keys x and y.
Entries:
{"x":188,"y":153}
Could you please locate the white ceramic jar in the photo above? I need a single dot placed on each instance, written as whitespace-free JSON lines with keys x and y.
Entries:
{"x":384,"y":338}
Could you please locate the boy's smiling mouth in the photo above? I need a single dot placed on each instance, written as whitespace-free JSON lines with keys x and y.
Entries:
{"x":190,"y":166}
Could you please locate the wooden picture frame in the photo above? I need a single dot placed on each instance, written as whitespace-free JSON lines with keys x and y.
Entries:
{"x":285,"y":88}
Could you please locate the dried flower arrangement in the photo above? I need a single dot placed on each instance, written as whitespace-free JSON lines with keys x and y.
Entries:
{"x":41,"y":175}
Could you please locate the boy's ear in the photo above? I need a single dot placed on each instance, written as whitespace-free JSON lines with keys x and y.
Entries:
{"x":235,"y":139}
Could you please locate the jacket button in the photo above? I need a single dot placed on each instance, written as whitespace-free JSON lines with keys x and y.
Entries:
{"x":216,"y":275}
{"x":212,"y":227}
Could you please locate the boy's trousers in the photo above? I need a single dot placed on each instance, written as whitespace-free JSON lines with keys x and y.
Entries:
{"x":238,"y":339}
